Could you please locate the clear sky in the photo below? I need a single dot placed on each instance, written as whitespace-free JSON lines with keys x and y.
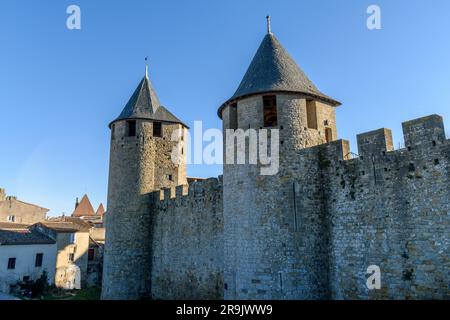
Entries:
{"x":60,"y":88}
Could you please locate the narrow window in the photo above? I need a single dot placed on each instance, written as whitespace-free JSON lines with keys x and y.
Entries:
{"x":39,"y":258}
{"x":157,"y":129}
{"x":71,"y":257}
{"x":436,"y":162}
{"x":91,"y":254}
{"x":270,"y":111}
{"x":11,"y":219}
{"x":281,"y":281}
{"x":11,"y":263}
{"x":170,"y":177}
{"x":311,"y":114}
{"x":328,"y":135}
{"x":131,"y":128}
{"x":233,"y":117}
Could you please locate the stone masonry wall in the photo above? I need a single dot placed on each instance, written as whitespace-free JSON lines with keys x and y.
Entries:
{"x":268,"y":254}
{"x":139,"y":165}
{"x":309,"y":232}
{"x":188,"y":242}
{"x":386,"y":208}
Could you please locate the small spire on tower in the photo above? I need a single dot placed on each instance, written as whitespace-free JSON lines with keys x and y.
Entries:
{"x":269,"y":31}
{"x":146,"y":67}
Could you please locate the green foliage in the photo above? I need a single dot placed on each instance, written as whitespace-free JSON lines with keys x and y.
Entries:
{"x":37,"y":288}
{"x":83,"y":294}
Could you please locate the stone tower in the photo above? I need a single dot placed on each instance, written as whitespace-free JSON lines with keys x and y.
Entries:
{"x":143,"y":139}
{"x":275,"y":248}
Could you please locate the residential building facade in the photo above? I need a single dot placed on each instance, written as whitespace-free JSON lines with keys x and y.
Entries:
{"x":17,"y":211}
{"x":24,"y":255}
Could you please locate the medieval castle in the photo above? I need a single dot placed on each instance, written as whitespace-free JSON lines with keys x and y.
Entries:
{"x":308,"y":232}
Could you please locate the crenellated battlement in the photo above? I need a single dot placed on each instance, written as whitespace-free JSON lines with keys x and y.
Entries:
{"x":422,"y":136}
{"x":384,"y":206}
{"x":188,"y":241}
{"x":375,"y":142}
{"x":379,"y":167}
{"x":194,"y":191}
{"x":426,"y":131}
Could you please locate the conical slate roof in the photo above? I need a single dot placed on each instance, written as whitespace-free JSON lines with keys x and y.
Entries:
{"x":84,"y":208}
{"x":273,"y":70}
{"x":144,"y":104}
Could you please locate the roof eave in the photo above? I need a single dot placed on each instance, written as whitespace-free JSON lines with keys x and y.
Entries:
{"x":27,"y":243}
{"x":147,"y":119}
{"x":323,"y":98}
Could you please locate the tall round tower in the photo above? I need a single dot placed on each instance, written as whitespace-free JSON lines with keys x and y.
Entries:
{"x":275,"y":248}
{"x":140,"y":162}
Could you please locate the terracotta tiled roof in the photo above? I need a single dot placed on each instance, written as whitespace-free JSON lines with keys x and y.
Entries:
{"x":66,"y":225}
{"x":84,"y":208}
{"x":100,"y":210}
{"x":12,"y":226}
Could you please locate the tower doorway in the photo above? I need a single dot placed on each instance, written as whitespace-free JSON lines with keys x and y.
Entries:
{"x":328,"y":135}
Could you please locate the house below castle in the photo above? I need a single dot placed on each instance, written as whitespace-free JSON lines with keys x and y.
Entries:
{"x":69,"y":249}
{"x":25,"y":255}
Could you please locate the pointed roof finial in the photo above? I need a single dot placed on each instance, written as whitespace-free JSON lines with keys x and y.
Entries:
{"x":146,"y":67}
{"x":269,"y":31}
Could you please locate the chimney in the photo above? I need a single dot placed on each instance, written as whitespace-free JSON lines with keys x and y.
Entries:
{"x":76,"y":203}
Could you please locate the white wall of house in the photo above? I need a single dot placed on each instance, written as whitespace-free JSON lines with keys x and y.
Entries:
{"x":25,"y":263}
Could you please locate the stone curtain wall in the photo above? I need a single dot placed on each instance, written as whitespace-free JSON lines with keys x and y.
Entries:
{"x":188,"y":242}
{"x":311,"y":231}
{"x":386,"y":208}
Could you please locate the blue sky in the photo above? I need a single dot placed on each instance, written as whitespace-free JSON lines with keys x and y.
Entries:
{"x":59,"y":89}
